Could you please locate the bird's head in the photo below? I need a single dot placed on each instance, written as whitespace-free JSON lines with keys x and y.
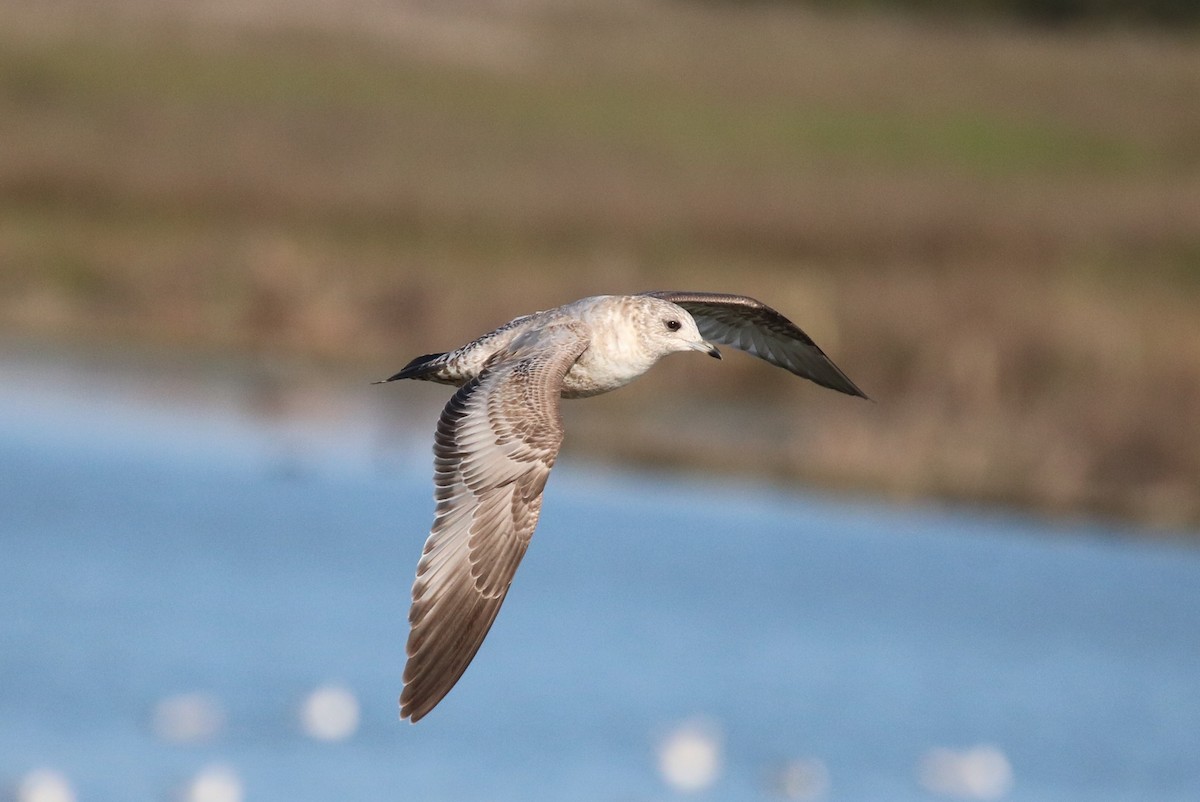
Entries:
{"x":667,"y":328}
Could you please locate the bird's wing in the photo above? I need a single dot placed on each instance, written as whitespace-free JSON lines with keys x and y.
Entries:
{"x":496,"y":442}
{"x":757,"y":329}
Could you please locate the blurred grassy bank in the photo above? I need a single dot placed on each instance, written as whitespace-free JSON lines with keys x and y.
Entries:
{"x":994,"y":231}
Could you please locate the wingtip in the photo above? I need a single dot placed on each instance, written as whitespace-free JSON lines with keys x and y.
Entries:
{"x":830,"y":376}
{"x":852,"y":389}
{"x":412,"y":716}
{"x":407,"y":713}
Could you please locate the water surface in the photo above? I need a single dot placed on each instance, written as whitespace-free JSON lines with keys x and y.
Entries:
{"x":198,"y":529}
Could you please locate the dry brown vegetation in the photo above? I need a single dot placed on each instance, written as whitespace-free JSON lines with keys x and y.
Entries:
{"x":995,"y":232}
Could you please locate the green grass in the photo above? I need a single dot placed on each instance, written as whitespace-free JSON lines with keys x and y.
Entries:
{"x":630,"y":115}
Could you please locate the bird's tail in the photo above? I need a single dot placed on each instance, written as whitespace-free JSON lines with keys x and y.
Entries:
{"x":428,"y":367}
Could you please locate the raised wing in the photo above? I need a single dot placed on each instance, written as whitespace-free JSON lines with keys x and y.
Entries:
{"x":754,"y":327}
{"x":496,"y":442}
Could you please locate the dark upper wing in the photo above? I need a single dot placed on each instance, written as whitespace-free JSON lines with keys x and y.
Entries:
{"x":757,"y":329}
{"x":496,"y":442}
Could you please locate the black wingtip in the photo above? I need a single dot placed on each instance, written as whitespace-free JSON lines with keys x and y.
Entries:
{"x":828,"y":375}
{"x":850,"y":388}
{"x":842,"y":384}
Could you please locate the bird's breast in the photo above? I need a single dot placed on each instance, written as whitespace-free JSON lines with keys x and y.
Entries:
{"x":595,"y":373}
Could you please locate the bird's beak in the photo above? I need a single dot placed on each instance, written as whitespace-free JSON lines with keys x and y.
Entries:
{"x":708,"y":348}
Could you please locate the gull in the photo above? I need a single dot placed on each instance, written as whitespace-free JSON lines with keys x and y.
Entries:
{"x":500,"y":433}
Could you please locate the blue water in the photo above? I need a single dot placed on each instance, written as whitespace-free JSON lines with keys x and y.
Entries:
{"x":154,"y":547}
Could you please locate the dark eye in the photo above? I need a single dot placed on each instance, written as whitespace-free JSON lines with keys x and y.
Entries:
{"x":673,"y":324}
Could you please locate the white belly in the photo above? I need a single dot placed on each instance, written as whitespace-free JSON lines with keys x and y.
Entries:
{"x":594,"y":374}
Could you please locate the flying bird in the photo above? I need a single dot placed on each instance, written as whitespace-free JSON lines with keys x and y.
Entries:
{"x":500,"y":433}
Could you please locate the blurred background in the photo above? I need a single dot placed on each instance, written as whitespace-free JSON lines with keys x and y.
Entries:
{"x":220,"y":220}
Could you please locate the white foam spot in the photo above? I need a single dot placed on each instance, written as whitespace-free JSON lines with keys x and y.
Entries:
{"x":189,"y":718}
{"x":803,"y":779}
{"x":45,"y":785}
{"x":981,"y":772}
{"x":689,"y":757}
{"x":329,"y":713}
{"x":216,"y":783}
